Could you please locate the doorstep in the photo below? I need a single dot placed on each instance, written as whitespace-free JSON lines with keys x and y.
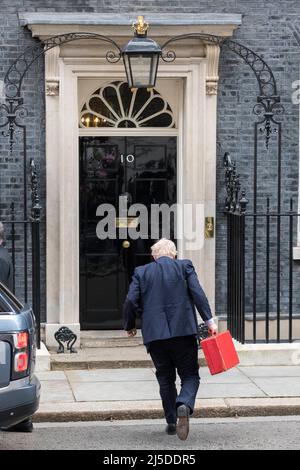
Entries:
{"x":115,"y":357}
{"x":105,"y":358}
{"x":102,"y":358}
{"x":273,"y":354}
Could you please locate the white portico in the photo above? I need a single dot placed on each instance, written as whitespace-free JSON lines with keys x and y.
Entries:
{"x":75,"y":70}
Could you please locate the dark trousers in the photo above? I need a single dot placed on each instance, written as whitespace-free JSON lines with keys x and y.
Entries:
{"x":179,"y":354}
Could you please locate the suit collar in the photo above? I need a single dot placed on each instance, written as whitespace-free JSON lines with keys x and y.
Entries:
{"x":161,"y":259}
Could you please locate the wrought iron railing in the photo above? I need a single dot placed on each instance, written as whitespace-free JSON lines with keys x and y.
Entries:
{"x":23,"y":242}
{"x":262,"y":276}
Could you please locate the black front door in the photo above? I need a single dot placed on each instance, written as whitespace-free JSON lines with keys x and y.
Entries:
{"x":143,"y":169}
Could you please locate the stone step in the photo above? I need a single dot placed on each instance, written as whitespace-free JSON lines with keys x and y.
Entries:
{"x":110,"y":342}
{"x":98,"y":358}
{"x":109,"y":339}
{"x":130,"y":357}
{"x":105,"y":358}
{"x":106,"y":334}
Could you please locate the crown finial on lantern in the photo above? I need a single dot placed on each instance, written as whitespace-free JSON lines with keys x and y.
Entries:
{"x":140,"y":27}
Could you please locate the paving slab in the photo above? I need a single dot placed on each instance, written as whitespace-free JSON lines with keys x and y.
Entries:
{"x":134,"y":393}
{"x":147,"y":390}
{"x":57,"y":391}
{"x":108,"y":375}
{"x":219,"y":390}
{"x":108,"y":391}
{"x":51,"y":375}
{"x":279,"y":386}
{"x":271,"y":371}
{"x":232,"y":376}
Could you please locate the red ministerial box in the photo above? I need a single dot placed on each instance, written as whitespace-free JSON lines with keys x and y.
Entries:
{"x":220,"y":353}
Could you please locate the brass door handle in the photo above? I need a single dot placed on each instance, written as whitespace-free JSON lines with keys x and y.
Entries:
{"x":126,"y":244}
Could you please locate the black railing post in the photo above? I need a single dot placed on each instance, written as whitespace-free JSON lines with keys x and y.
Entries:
{"x":229,"y":273}
{"x":36,"y":251}
{"x":268,"y":272}
{"x":13,"y":244}
{"x":243,"y":206}
{"x":36,"y":278}
{"x":242,"y":275}
{"x":291,"y":229}
{"x":235,"y":209}
{"x":234,"y":261}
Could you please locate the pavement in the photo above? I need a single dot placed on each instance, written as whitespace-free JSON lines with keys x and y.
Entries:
{"x":132,"y":393}
{"x":205,"y":434}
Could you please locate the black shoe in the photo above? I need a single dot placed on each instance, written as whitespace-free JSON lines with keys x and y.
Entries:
{"x":183,"y":415}
{"x":24,"y":426}
{"x":171,"y":429}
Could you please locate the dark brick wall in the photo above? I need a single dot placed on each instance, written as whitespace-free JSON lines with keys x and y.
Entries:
{"x":269,"y":28}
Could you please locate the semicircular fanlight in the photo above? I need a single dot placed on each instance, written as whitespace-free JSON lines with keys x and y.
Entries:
{"x":115,"y":105}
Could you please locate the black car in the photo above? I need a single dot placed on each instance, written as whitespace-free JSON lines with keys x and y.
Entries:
{"x":19,"y":387}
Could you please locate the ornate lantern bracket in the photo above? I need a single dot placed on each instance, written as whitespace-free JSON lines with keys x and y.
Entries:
{"x":143,"y":49}
{"x":268,"y":101}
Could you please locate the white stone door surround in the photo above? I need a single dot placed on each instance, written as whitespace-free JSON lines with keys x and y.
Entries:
{"x":196,"y":66}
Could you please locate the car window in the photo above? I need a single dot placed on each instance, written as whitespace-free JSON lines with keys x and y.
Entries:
{"x":4,"y":308}
{"x":8,"y":302}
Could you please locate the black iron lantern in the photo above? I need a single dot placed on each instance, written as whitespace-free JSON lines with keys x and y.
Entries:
{"x":141,"y":56}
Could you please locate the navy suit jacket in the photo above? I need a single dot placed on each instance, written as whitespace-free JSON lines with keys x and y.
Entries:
{"x":6,"y":268}
{"x":166,"y":291}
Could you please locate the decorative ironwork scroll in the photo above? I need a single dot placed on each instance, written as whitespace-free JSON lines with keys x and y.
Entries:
{"x":65,"y":335}
{"x":13,"y":108}
{"x":35,"y":199}
{"x":268,"y":101}
{"x":14,"y":77}
{"x":234,"y":202}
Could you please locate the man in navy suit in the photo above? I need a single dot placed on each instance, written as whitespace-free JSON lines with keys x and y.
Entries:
{"x":6,"y":266}
{"x":167,"y":292}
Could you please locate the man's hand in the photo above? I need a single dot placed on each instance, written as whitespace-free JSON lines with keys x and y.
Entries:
{"x":131,"y":332}
{"x":212,"y":329}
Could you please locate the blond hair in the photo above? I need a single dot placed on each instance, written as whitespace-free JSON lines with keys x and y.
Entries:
{"x":164,"y":247}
